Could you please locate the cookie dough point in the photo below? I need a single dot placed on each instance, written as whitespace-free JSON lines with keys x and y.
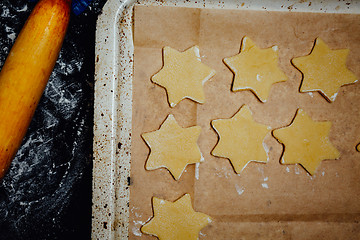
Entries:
{"x":175,"y":220}
{"x":324,"y":70}
{"x":183,"y":75}
{"x":306,"y":142}
{"x":173,"y":147}
{"x":240,"y":139}
{"x":255,"y":69}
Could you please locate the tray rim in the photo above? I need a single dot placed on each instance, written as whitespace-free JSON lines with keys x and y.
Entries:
{"x":113,"y":98}
{"x":107,"y":150}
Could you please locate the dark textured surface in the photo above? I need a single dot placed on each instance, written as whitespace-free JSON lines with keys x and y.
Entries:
{"x":47,"y":191}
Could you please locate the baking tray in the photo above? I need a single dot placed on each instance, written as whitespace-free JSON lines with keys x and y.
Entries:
{"x":113,"y":99}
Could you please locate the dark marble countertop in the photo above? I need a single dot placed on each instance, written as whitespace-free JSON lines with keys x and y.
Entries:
{"x":47,"y":191}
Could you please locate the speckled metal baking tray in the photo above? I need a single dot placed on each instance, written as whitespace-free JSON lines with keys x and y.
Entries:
{"x":113,"y":98}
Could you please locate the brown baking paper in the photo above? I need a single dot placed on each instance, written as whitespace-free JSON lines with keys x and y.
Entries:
{"x":266,"y":201}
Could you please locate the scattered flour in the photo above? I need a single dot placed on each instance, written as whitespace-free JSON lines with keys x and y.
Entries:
{"x":202,"y":234}
{"x":136,"y":229}
{"x":267,"y":150}
{"x":239,"y":190}
{"x":197,"y":165}
{"x":258,"y":77}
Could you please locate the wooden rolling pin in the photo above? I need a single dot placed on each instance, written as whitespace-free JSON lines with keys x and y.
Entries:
{"x":26,"y":72}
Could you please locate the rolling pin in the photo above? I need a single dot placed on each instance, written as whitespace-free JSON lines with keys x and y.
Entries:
{"x":26,"y":71}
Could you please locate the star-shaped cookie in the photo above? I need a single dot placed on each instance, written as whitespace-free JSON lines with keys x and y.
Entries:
{"x":183,"y":75}
{"x":306,"y":142}
{"x":324,"y":70}
{"x":173,"y":147}
{"x":175,"y":220}
{"x":255,"y":69}
{"x":240,"y":139}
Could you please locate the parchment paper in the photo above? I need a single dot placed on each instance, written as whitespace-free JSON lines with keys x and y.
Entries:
{"x":266,"y":201}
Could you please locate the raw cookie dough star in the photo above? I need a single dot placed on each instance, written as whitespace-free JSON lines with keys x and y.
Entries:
{"x":240,"y":139}
{"x":175,"y":220}
{"x":324,"y":70}
{"x":173,"y":147}
{"x":183,"y":75}
{"x":255,"y":69}
{"x":306,"y":142}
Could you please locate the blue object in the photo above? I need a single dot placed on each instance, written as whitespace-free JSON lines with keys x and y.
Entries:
{"x":78,"y":6}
